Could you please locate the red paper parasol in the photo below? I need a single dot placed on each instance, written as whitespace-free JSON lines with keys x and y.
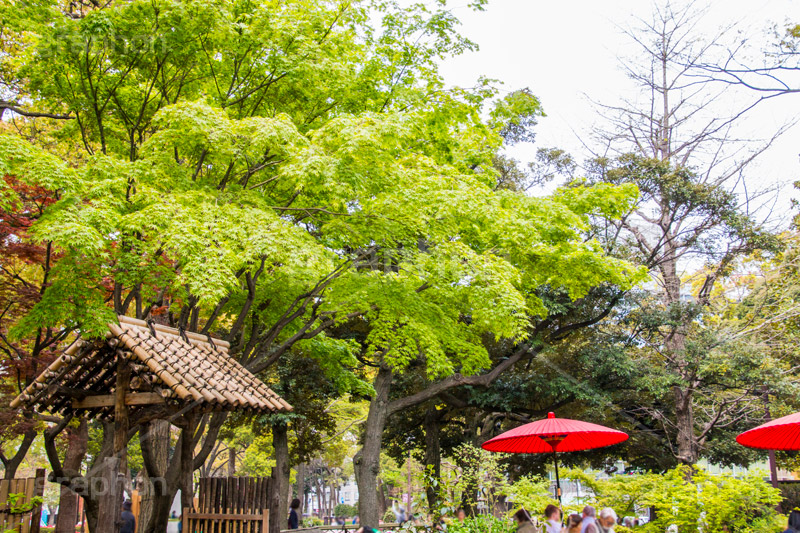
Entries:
{"x":553,"y":435}
{"x":780,"y":434}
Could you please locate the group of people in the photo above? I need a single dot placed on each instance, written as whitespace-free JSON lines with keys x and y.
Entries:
{"x":586,"y":522}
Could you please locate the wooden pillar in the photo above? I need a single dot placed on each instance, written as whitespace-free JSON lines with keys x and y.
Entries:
{"x":116,"y":466}
{"x":36,"y":515}
{"x":187,"y":461}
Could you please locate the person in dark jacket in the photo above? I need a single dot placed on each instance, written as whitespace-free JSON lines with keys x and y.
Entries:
{"x":794,"y":522}
{"x":294,"y":520}
{"x":127,"y":518}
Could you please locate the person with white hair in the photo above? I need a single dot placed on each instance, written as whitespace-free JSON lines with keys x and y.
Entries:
{"x":589,"y":522}
{"x":607,"y":521}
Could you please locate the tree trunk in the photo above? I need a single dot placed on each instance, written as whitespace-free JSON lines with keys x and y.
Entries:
{"x":156,"y":497}
{"x":231,"y":461}
{"x":73,"y":458}
{"x":688,"y":450}
{"x":300,"y":489}
{"x":108,"y":502}
{"x":433,"y":457}
{"x":280,"y":442}
{"x":368,"y":459}
{"x":675,"y":343}
{"x":115,"y":466}
{"x":12,"y":463}
{"x":381,"y":500}
{"x":187,"y":462}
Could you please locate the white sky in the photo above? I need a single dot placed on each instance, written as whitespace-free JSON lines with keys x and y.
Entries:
{"x":567,"y":52}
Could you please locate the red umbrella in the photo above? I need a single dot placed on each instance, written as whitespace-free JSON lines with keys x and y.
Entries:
{"x":553,"y":435}
{"x":780,"y":434}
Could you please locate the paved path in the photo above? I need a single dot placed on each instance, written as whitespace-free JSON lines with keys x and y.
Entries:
{"x":172,"y":527}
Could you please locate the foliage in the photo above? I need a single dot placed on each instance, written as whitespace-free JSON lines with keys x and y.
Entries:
{"x":479,"y":470}
{"x":258,"y":458}
{"x":703,"y":502}
{"x":482,"y":524}
{"x":532,"y":493}
{"x":312,"y":521}
{"x":18,"y":504}
{"x":345,"y":510}
{"x":444,"y":506}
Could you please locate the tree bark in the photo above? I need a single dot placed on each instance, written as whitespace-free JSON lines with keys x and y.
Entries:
{"x":300,"y":489}
{"x":68,"y":499}
{"x":368,"y":459}
{"x":231,"y":461}
{"x":187,"y":461}
{"x":280,"y":442}
{"x":433,"y":456}
{"x":382,"y":507}
{"x":156,"y":497}
{"x":688,"y":449}
{"x":116,"y":465}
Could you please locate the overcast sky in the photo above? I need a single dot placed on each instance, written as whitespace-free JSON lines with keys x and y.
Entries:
{"x":567,"y":52}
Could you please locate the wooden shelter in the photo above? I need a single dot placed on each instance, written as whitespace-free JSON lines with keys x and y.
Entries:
{"x":167,"y":367}
{"x":143,"y":371}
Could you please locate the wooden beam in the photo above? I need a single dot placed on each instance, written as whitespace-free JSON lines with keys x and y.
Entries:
{"x":107,"y":400}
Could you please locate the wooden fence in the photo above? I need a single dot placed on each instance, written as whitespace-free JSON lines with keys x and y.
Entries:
{"x":27,"y":522}
{"x":231,"y":505}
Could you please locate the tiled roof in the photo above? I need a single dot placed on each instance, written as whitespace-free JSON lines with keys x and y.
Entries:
{"x":183,"y":368}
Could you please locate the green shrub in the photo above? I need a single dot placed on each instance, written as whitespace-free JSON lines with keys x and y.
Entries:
{"x":532,"y":493}
{"x":344,"y":509}
{"x":483,"y":524}
{"x":703,"y":502}
{"x":312,"y":521}
{"x":791,"y":495}
{"x":389,"y":517}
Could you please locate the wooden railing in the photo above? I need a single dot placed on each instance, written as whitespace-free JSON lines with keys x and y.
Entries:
{"x":228,"y":505}
{"x":197,"y":522}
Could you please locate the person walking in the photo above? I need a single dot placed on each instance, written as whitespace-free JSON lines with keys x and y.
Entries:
{"x":573,"y":524}
{"x":294,"y":519}
{"x":794,"y":522}
{"x":127,"y":518}
{"x":400,"y":516}
{"x":589,"y":522}
{"x":524,"y":522}
{"x":552,"y":516}
{"x":607,"y":521}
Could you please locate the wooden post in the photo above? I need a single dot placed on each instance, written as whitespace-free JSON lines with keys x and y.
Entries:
{"x":187,"y":461}
{"x":265,"y":521}
{"x":116,"y":466}
{"x":121,"y":426}
{"x":36,"y":514}
{"x":408,"y":496}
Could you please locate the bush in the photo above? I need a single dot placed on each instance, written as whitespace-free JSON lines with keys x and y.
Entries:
{"x":312,"y":521}
{"x":482,"y":524}
{"x":344,"y":509}
{"x":389,"y":517}
{"x":791,"y":495}
{"x":532,"y":493}
{"x":705,"y":503}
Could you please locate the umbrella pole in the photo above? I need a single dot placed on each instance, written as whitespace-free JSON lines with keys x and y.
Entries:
{"x":558,"y":481}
